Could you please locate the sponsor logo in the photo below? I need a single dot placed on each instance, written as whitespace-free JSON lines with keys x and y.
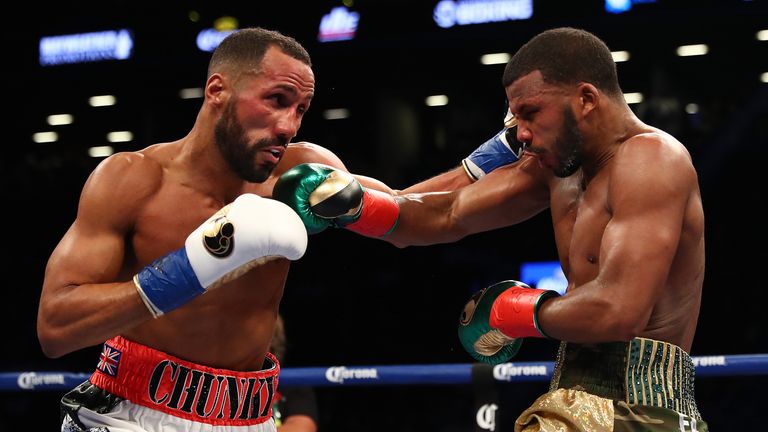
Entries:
{"x":507,"y":371}
{"x":709,"y":361}
{"x":218,"y":234}
{"x":486,"y":417}
{"x":338,"y":374}
{"x":86,"y":47}
{"x":30,"y":380}
{"x":448,"y":13}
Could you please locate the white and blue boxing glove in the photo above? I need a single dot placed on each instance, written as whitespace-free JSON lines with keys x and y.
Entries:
{"x":502,"y":149}
{"x":243,"y":234}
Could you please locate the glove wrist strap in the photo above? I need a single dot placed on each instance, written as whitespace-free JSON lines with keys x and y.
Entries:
{"x":167,"y":283}
{"x":515,"y":311}
{"x":378,"y":216}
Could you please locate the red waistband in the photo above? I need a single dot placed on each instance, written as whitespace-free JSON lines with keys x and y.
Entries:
{"x":162,"y":382}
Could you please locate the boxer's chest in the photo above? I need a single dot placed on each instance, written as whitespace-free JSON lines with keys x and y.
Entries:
{"x":580,"y":217}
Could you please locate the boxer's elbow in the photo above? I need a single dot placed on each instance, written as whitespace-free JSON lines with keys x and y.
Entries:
{"x":50,"y":352}
{"x":622,"y":326}
{"x":54,"y":340}
{"x":50,"y":343}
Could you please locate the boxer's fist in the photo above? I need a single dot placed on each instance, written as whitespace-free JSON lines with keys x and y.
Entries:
{"x":502,"y":149}
{"x":496,"y":318}
{"x":324,"y":196}
{"x":319,"y":194}
{"x":241,"y":235}
{"x":478,"y":338}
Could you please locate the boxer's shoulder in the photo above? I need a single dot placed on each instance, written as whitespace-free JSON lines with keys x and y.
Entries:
{"x":140,"y":166}
{"x":306,"y":152}
{"x":126,"y":177}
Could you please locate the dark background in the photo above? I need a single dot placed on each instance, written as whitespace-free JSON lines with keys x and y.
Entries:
{"x":356,"y":301}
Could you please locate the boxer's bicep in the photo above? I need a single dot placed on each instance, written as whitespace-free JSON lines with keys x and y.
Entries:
{"x":92,"y":249}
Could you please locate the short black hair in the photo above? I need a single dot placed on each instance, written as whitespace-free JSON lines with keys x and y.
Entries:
{"x":566,"y":55}
{"x":244,"y":49}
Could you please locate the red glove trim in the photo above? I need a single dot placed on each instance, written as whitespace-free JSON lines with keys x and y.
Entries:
{"x":514,"y":311}
{"x":379,"y":214}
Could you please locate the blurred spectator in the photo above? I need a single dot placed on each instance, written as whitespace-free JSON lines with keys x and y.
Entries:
{"x":295,"y":408}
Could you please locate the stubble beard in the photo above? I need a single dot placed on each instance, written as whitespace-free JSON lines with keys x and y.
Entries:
{"x":569,"y":146}
{"x":230,"y":138}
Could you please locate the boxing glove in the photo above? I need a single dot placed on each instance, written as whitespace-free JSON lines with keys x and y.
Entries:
{"x":496,"y":318}
{"x":243,"y":234}
{"x":324,"y":196}
{"x":502,"y":149}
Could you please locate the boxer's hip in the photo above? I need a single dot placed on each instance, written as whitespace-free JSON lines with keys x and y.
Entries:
{"x":639,"y":372}
{"x":150,"y":378}
{"x":643,"y":384}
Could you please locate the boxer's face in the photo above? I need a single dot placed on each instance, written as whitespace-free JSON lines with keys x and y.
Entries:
{"x":546,"y":123}
{"x":263,"y":114}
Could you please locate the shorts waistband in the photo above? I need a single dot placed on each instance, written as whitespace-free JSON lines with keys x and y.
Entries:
{"x":640,"y":372}
{"x":180,"y":388}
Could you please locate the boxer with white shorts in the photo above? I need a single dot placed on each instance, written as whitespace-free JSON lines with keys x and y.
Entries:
{"x":178,"y":247}
{"x":137,"y":388}
{"x":178,"y":257}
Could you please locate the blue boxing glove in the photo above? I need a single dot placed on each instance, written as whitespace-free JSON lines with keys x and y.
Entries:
{"x":502,"y":149}
{"x":243,"y":234}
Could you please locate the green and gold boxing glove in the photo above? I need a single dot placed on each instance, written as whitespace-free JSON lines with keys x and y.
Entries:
{"x":324,"y":196}
{"x":496,"y":318}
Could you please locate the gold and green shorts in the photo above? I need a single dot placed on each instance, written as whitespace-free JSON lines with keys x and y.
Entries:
{"x":640,"y":385}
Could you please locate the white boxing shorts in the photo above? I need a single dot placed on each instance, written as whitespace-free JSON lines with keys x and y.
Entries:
{"x":139,"y":389}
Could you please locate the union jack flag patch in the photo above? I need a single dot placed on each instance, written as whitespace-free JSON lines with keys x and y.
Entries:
{"x":109,"y":360}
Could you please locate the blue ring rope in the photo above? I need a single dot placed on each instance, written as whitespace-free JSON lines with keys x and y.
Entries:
{"x":427,"y":374}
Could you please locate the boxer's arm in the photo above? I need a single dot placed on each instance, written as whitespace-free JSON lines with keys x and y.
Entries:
{"x":448,"y":181}
{"x":504,"y":197}
{"x":305,"y":152}
{"x":649,"y":190}
{"x":508,"y":195}
{"x":80,"y":304}
{"x":444,"y":182}
{"x":324,"y":196}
